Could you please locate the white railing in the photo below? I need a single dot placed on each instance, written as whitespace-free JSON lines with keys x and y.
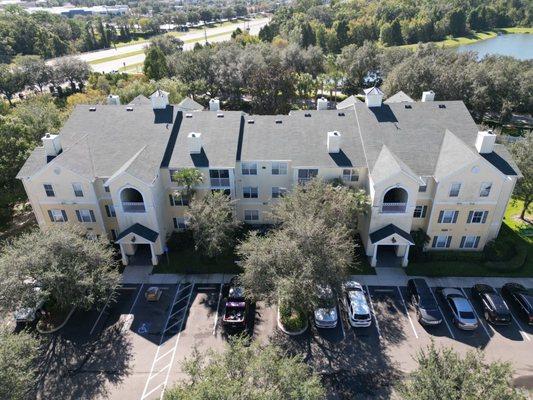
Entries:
{"x":131,"y":206}
{"x":391,"y":208}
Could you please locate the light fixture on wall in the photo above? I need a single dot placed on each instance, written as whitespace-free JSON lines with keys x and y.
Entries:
{"x":133,"y":239}
{"x":393,"y":240}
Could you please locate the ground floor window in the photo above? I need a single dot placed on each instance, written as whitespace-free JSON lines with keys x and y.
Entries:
{"x":85,"y":216}
{"x":350,"y":175}
{"x":57,"y":215}
{"x":441,"y":241}
{"x":469,"y":242}
{"x":251,"y":215}
{"x":180,"y":223}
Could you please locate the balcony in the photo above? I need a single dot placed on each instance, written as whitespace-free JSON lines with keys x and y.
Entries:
{"x":217,"y":183}
{"x":133,"y":206}
{"x":393,"y":208}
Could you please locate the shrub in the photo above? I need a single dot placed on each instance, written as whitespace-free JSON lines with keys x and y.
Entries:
{"x":499,"y":250}
{"x":514,"y":263}
{"x":291,"y":318}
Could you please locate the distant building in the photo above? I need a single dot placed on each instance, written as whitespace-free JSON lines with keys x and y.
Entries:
{"x":73,"y":11}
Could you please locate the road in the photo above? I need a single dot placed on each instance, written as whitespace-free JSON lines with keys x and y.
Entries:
{"x":133,"y":55}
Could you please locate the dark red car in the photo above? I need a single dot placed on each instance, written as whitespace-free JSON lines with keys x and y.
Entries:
{"x":236,"y":307}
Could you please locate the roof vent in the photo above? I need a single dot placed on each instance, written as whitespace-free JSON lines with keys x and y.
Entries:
{"x":442,"y":105}
{"x":220,"y":115}
{"x":93,"y":109}
{"x":341,"y":114}
{"x":279,"y":121}
{"x":307,"y":114}
{"x":129,"y":108}
{"x":408,"y":106}
{"x":188,"y":115}
{"x":251,"y":121}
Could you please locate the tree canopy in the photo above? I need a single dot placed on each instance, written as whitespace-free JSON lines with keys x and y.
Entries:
{"x":522,"y":152}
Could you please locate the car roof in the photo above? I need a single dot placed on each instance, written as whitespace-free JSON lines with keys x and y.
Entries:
{"x":462,"y":304}
{"x":358,"y":302}
{"x":452,"y":291}
{"x":496,"y":300}
{"x":484,"y":288}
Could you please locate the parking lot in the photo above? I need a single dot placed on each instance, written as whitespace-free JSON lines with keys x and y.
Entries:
{"x":134,"y":348}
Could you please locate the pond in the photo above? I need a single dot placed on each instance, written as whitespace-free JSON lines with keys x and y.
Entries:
{"x":519,"y":45}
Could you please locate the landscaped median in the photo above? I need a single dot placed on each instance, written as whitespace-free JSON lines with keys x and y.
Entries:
{"x":291,"y":321}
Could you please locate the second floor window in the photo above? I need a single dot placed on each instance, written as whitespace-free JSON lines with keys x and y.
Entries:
{"x":477,"y":217}
{"x":420,"y":212}
{"x":249,"y":168}
{"x":110,"y":210}
{"x":455,"y":188}
{"x":350,"y":175}
{"x":49,"y":190}
{"x":484,"y":191}
{"x":178,"y":200}
{"x":448,"y":217}
{"x":279,"y":168}
{"x":219,"y":177}
{"x":249,"y":192}
{"x":305,"y":175}
{"x":85,"y":216}
{"x":180,"y":223}
{"x":78,"y":189}
{"x":57,"y":215}
{"x":278,"y":192}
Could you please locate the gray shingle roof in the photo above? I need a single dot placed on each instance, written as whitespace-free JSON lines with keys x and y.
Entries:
{"x":140,"y":100}
{"x":188,"y":104}
{"x":387,"y":164}
{"x":387,"y":231}
{"x":348,"y":102}
{"x":399,"y":98}
{"x":140,"y":230}
{"x":502,"y":160}
{"x":35,"y":161}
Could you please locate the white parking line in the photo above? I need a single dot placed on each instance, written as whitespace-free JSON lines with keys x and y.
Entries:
{"x":477,"y":316}
{"x":407,"y":312}
{"x":442,"y":313}
{"x":218,"y":307}
{"x":373,"y":312}
{"x":520,"y":327}
{"x":342,"y":325}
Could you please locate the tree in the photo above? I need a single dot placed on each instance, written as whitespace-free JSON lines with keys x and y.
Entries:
{"x":71,"y":269}
{"x":155,"y":64}
{"x":442,"y":374}
{"x":188,"y":177}
{"x":247,"y":371}
{"x":39,"y":115}
{"x":18,"y":355}
{"x":357,"y":62}
{"x":457,"y":22}
{"x":168,"y":44}
{"x":391,"y":34}
{"x":72,"y":69}
{"x":12,"y":81}
{"x":37,"y":72}
{"x":522,"y":152}
{"x":212,"y":223}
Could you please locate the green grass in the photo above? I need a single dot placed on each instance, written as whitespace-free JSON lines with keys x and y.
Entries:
{"x":511,"y":228}
{"x":188,"y":261}
{"x":116,"y":57}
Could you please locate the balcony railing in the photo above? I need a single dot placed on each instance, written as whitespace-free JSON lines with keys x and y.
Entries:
{"x":392,"y":208}
{"x":130,"y":206}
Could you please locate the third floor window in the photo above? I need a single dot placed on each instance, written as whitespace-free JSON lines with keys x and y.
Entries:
{"x":249,"y":168}
{"x":484,"y":191}
{"x":249,"y":192}
{"x":279,"y":168}
{"x":219,"y":177}
{"x":455,"y":188}
{"x":78,"y":189}
{"x":49,"y":190}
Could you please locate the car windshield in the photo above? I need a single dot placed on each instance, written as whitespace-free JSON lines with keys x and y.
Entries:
{"x":466,"y":315}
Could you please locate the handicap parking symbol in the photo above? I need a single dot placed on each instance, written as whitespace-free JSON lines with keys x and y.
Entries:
{"x":143,"y":328}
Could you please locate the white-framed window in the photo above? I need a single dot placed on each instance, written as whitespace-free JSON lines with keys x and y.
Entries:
{"x":219,"y":177}
{"x":251,"y":215}
{"x":350,"y":175}
{"x":279,"y":168}
{"x":85,"y":216}
{"x":424,"y":187}
{"x":78,"y":189}
{"x":250,"y":192}
{"x":278,"y":192}
{"x":110,"y":210}
{"x":249,"y":168}
{"x":180,"y":223}
{"x":455,"y":188}
{"x":178,"y":200}
{"x":171,"y":172}
{"x":448,"y":216}
{"x":469,"y":242}
{"x":305,"y":175}
{"x":484,"y":190}
{"x":49,"y":190}
{"x":57,"y":215}
{"x":441,"y":242}
{"x":420,"y":212}
{"x":477,"y":217}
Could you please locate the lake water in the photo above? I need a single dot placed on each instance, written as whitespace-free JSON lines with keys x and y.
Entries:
{"x":519,"y":45}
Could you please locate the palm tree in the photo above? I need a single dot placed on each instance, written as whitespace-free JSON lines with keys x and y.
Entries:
{"x":188,"y":177}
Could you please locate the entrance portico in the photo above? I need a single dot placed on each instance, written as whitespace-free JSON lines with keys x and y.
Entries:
{"x":135,"y":240}
{"x":391,"y":235}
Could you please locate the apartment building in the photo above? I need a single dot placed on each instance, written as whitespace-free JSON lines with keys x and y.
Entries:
{"x":424,"y":165}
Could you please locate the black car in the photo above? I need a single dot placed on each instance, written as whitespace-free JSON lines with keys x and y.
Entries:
{"x":422,"y":299}
{"x":495,"y":309}
{"x":521,"y":299}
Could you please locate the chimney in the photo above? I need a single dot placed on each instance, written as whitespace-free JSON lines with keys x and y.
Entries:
{"x":195,"y":142}
{"x":373,"y":97}
{"x":113,"y":100}
{"x":214,"y":105}
{"x":159,"y":99}
{"x":485,"y":142}
{"x":51,"y":144}
{"x":428,"y":96}
{"x":322,"y":104}
{"x":334,"y":142}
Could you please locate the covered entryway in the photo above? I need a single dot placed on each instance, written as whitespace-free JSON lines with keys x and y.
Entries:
{"x":391,"y":247}
{"x":137,"y":245}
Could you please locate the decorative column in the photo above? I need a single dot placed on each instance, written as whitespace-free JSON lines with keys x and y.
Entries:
{"x":152,"y":252}
{"x":374,"y":256}
{"x":405,"y":259}
{"x":123,"y":254}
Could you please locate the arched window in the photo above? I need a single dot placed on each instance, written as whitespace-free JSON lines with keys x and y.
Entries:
{"x":132,"y":200}
{"x":395,"y":201}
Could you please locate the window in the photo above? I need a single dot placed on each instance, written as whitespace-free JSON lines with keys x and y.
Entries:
{"x":278,"y":192}
{"x":441,"y":241}
{"x":484,"y":191}
{"x":85,"y":216}
{"x":49,"y":190}
{"x":279,"y":168}
{"x":113,"y":235}
{"x":251,"y":215}
{"x":106,"y":188}
{"x":57,"y":215}
{"x":448,"y":217}
{"x":454,"y":189}
{"x":469,"y":242}
{"x":178,"y":200}
{"x":477,"y":217}
{"x":305,"y":175}
{"x":219,"y":177}
{"x":249,"y":192}
{"x":249,"y":168}
{"x":110,"y":210}
{"x":78,"y":189}
{"x":350,"y":175}
{"x":420,"y":212}
{"x":171,"y":173}
{"x":180,"y":223}
{"x":424,"y":187}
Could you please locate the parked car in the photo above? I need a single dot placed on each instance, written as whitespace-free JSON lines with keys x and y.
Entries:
{"x":521,"y":299}
{"x":326,"y":315}
{"x":153,"y":293}
{"x":495,"y":309}
{"x":422,"y":299}
{"x":355,"y":304}
{"x":464,"y":316}
{"x":236,"y":306}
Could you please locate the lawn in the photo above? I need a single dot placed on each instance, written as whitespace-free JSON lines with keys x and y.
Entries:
{"x":188,"y":261}
{"x":511,"y":228}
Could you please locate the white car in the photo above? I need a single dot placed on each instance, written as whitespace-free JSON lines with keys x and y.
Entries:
{"x":326,"y":316}
{"x":356,"y":306}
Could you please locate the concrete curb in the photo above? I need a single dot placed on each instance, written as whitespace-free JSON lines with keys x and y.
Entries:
{"x":43,"y":332}
{"x":297,"y":333}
